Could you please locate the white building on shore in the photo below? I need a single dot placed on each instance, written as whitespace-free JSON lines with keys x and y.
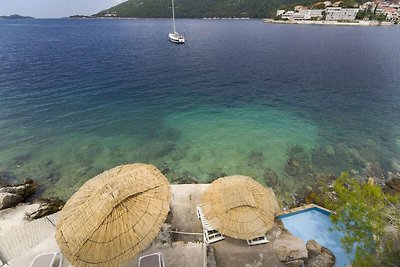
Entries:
{"x":338,"y":13}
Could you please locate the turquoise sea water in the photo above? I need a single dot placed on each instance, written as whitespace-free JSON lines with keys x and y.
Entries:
{"x":279,"y":103}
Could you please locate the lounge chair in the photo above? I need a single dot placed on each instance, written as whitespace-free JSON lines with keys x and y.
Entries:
{"x":152,"y":260}
{"x":257,"y":241}
{"x":210,"y":234}
{"x":52,"y":259}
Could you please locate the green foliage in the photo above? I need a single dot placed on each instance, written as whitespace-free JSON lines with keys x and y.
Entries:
{"x":319,"y":5}
{"x":364,"y":213}
{"x":202,"y":8}
{"x":348,"y":3}
{"x":370,"y":16}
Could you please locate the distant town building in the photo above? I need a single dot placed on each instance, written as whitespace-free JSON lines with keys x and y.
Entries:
{"x":299,"y":8}
{"x":390,"y":12}
{"x":338,"y":13}
{"x":309,"y":14}
{"x":110,"y":15}
{"x":333,"y":12}
{"x":337,"y":3}
{"x":280,"y":12}
{"x":288,"y":15}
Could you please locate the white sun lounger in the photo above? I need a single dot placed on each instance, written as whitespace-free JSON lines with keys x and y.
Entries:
{"x":152,"y":260}
{"x":52,"y":259}
{"x":210,"y":234}
{"x":257,"y":241}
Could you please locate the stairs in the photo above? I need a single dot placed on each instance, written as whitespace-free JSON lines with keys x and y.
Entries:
{"x":18,"y":240}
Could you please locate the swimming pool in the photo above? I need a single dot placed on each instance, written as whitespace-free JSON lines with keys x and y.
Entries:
{"x":314,"y":223}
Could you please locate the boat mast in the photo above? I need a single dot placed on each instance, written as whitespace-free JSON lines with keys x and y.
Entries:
{"x":173,"y":15}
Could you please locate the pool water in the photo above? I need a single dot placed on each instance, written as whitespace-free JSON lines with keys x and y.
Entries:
{"x":315,"y":224}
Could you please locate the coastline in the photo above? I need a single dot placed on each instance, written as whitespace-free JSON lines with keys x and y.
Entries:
{"x":332,"y":23}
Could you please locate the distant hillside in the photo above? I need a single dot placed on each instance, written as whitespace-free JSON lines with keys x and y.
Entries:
{"x":200,"y":8}
{"x":15,"y":16}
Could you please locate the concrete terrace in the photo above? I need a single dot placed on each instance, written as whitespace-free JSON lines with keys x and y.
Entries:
{"x":21,"y":241}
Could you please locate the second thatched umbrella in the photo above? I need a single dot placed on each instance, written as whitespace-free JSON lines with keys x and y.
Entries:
{"x":239,"y":207}
{"x":113,"y":216}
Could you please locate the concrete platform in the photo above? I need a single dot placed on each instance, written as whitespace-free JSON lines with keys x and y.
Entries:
{"x":186,"y":250}
{"x":179,"y":254}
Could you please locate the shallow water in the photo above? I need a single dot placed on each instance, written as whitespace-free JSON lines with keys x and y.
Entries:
{"x":275,"y":102}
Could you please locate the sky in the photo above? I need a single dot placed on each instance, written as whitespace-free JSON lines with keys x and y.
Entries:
{"x":54,"y":8}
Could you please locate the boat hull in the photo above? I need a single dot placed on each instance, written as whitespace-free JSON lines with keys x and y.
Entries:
{"x":176,"y":38}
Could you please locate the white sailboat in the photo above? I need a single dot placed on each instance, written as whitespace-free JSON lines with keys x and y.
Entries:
{"x":175,"y":37}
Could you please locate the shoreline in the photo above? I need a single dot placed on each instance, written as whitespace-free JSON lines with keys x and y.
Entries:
{"x":331,"y":23}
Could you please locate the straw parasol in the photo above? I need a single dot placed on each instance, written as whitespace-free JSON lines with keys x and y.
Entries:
{"x":239,"y":207}
{"x":113,"y":216}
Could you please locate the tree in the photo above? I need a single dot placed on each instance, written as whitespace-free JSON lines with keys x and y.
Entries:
{"x":369,"y":219}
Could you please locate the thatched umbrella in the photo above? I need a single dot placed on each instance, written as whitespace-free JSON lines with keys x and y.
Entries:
{"x":113,"y":216}
{"x":239,"y":207}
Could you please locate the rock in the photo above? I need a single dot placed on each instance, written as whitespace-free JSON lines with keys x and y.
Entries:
{"x":164,"y":236}
{"x":313,"y":248}
{"x":393,"y":183}
{"x":298,"y":164}
{"x":290,"y":248}
{"x":271,"y":178}
{"x":330,"y":150}
{"x":295,"y":263}
{"x":255,"y":158}
{"x":47,"y":207}
{"x":318,"y":256}
{"x":8,"y":200}
{"x":319,"y":192}
{"x":24,"y":190}
{"x":274,"y":233}
{"x":211,"y":262}
{"x":374,"y":169}
{"x":21,"y":159}
{"x":396,"y":165}
{"x":6,"y":177}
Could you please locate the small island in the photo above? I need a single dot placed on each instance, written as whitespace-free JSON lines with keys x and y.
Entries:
{"x":80,"y":17}
{"x":341,"y":13}
{"x":15,"y":16}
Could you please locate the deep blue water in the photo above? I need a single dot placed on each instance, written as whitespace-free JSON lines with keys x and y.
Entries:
{"x":275,"y":102}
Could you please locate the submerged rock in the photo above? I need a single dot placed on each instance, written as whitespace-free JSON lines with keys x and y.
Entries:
{"x":186,"y":180}
{"x":271,"y":178}
{"x":21,"y":159}
{"x":215,"y":175}
{"x":319,"y":256}
{"x":6,"y":178}
{"x":256,"y":158}
{"x":392,"y":185}
{"x":298,"y":163}
{"x":374,"y":169}
{"x":47,"y":207}
{"x":335,"y":158}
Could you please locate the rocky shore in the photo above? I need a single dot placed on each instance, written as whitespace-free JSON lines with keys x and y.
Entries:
{"x":12,"y":195}
{"x":332,"y":23}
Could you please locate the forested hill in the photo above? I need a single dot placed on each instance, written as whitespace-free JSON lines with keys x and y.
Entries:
{"x":199,"y":8}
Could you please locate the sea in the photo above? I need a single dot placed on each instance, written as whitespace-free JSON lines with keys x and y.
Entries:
{"x":283,"y":104}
